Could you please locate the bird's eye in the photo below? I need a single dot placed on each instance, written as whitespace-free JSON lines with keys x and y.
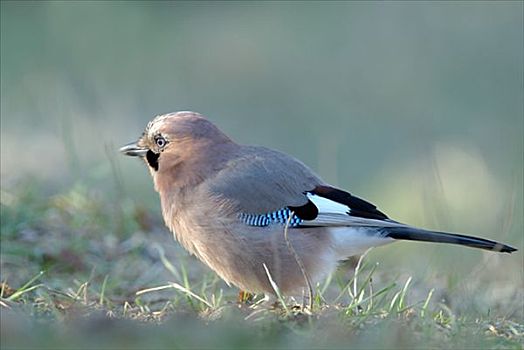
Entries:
{"x":160,"y":141}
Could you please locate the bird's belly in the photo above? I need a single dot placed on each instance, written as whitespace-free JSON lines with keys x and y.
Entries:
{"x":238,"y":255}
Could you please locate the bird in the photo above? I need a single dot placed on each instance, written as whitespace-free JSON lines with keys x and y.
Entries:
{"x":240,"y":208}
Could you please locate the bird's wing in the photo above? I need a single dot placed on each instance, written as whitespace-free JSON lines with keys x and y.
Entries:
{"x":259,"y":180}
{"x":266,"y":186}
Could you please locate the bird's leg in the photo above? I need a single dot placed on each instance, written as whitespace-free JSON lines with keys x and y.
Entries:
{"x":244,"y":297}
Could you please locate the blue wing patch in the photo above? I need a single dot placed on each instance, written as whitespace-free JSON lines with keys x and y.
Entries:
{"x":277,"y":217}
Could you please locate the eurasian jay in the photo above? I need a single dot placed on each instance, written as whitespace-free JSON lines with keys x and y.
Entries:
{"x":228,"y":204}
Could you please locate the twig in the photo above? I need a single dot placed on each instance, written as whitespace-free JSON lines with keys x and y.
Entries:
{"x":299,"y":261}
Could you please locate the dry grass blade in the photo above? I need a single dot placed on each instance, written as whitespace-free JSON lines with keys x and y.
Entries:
{"x":276,"y":289}
{"x":177,"y":287}
{"x":357,"y":270}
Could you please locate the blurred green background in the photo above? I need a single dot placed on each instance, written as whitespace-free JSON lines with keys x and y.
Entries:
{"x":415,"y":106}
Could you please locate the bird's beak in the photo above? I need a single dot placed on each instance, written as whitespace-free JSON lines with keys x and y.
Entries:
{"x":134,"y":150}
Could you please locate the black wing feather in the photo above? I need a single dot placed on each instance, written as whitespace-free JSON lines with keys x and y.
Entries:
{"x":308,"y":211}
{"x":358,"y":207}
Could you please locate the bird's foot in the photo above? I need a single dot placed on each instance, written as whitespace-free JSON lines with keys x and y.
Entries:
{"x":245,"y":297}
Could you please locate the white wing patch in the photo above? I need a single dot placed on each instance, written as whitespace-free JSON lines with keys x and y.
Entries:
{"x":327,"y":206}
{"x":334,"y":214}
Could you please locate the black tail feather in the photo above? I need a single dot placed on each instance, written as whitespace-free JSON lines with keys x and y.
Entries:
{"x":415,"y":234}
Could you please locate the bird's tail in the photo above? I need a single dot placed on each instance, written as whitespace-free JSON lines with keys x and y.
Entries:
{"x":415,"y":234}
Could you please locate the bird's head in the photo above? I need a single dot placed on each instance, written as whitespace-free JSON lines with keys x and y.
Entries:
{"x":177,"y":141}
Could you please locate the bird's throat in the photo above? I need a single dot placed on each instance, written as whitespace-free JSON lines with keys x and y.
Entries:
{"x":152,"y":159}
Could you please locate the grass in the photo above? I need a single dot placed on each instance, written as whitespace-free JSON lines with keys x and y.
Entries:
{"x":80,"y":269}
